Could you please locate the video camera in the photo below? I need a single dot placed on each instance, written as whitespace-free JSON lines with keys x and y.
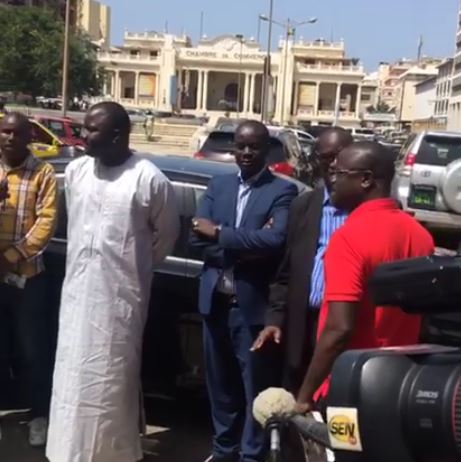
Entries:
{"x":403,"y":404}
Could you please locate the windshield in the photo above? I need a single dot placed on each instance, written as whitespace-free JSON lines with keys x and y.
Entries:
{"x":76,"y":130}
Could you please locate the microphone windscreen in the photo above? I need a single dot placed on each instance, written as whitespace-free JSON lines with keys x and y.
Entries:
{"x":273,"y":402}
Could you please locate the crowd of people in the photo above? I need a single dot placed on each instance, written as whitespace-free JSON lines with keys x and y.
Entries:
{"x":283,"y":290}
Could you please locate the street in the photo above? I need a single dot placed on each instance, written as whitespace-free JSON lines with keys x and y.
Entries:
{"x":177,"y":431}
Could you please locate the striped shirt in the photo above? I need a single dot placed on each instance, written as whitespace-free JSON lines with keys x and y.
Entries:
{"x":28,"y":216}
{"x":331,"y":220}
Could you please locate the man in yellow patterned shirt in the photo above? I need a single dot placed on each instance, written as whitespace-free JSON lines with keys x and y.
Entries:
{"x":28,"y":209}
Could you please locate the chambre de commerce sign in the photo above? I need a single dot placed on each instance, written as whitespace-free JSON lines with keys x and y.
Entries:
{"x":222,"y":55}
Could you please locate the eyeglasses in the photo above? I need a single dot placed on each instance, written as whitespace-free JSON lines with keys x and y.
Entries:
{"x":347,"y":172}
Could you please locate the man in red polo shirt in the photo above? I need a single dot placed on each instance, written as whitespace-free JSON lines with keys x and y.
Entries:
{"x":376,"y":232}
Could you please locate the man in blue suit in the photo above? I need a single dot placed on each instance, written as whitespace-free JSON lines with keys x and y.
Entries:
{"x":241,"y":227}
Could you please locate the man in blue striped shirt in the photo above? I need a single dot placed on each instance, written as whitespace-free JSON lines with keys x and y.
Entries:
{"x":296,"y":295}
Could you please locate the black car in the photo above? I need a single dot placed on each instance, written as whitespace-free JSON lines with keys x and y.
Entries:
{"x":172,"y":346}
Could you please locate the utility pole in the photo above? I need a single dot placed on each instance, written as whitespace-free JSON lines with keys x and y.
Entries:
{"x":267,"y":69}
{"x":65,"y":62}
{"x":288,"y":34}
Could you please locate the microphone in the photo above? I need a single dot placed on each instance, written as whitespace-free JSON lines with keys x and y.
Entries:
{"x":275,"y":407}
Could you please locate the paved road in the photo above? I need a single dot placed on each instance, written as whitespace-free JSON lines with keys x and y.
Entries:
{"x":178,"y":431}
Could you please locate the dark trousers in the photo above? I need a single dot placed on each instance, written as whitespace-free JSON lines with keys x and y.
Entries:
{"x":235,"y":376}
{"x":293,"y":375}
{"x":25,"y":343}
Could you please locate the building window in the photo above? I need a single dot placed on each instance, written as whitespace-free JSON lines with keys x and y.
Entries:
{"x":366,"y":97}
{"x":153,"y":54}
{"x":134,"y":52}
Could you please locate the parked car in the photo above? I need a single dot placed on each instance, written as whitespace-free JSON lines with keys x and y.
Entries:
{"x":137,"y":116}
{"x":363,"y":134}
{"x":46,"y":144}
{"x":68,"y":130}
{"x":172,"y":347}
{"x":428,"y":178}
{"x":286,"y":155}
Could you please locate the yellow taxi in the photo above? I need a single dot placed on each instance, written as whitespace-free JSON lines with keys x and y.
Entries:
{"x":44,"y":142}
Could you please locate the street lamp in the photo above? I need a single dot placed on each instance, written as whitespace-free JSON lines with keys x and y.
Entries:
{"x":290,"y":28}
{"x":65,"y":62}
{"x":240,"y":38}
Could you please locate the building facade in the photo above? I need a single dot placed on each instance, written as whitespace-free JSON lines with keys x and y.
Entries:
{"x":311,"y":81}
{"x":454,"y":109}
{"x":443,"y":92}
{"x":95,"y":19}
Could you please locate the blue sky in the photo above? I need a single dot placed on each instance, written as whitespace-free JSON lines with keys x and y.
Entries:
{"x":374,"y":30}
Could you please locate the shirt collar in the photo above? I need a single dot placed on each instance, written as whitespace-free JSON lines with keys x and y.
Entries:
{"x":251,"y":181}
{"x":29,"y":163}
{"x":375,"y":205}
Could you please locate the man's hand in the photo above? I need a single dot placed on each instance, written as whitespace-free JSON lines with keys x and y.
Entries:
{"x":205,"y":228}
{"x":303,"y":406}
{"x":267,"y":335}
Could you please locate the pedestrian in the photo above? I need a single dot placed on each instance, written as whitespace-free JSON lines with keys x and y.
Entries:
{"x":28,"y":211}
{"x":241,"y":227}
{"x":375,"y":232}
{"x":149,"y":125}
{"x":297,"y":292}
{"x":122,"y":221}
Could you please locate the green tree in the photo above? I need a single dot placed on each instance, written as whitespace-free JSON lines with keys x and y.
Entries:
{"x":31,"y":52}
{"x":381,"y":107}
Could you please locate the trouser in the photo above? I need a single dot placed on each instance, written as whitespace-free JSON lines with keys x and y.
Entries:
{"x":293,"y":376}
{"x":25,"y":343}
{"x":235,"y":376}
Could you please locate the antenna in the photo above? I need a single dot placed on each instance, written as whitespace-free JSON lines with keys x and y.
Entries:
{"x":201,"y":24}
{"x":420,"y":48}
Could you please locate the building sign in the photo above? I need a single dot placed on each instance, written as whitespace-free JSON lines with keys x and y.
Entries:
{"x":222,"y":55}
{"x":306,"y":95}
{"x":147,"y":85}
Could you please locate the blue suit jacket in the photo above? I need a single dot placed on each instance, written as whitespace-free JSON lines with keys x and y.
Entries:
{"x":253,"y":250}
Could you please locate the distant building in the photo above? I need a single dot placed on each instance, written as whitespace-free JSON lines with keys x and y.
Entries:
{"x":443,"y":93}
{"x":454,"y":109}
{"x":389,"y":78}
{"x":370,"y":93}
{"x":424,"y":104}
{"x":406,"y":90}
{"x":313,"y":82}
{"x":95,"y":19}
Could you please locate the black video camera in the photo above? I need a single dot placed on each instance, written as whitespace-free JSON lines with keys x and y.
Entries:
{"x":403,"y":404}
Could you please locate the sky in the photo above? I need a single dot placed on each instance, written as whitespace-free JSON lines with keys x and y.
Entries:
{"x":373,"y":30}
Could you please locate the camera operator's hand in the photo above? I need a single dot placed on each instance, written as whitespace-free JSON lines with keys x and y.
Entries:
{"x":270,"y":334}
{"x":303,"y":407}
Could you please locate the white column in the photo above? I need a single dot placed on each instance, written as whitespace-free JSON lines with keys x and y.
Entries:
{"x":136,"y":88}
{"x":252,"y":93}
{"x":157,"y":90}
{"x":112,"y":84}
{"x":295,"y":98}
{"x":205,"y":91}
{"x":357,"y":103}
{"x":317,"y":99}
{"x":199,"y":95}
{"x":118,"y":86}
{"x":246,"y":92}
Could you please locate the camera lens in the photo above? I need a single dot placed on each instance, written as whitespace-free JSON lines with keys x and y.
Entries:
{"x":431,"y":410}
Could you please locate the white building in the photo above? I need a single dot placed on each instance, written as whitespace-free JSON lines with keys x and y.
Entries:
{"x":443,"y":92}
{"x":312,"y":81}
{"x":454,"y":109}
{"x":424,"y":100}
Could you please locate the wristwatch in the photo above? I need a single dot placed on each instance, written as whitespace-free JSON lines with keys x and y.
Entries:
{"x":217,"y":231}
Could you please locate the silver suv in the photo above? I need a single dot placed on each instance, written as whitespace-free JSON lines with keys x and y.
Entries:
{"x":428,"y":179}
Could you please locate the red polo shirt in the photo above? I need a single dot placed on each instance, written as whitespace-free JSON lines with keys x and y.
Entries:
{"x":376,"y":232}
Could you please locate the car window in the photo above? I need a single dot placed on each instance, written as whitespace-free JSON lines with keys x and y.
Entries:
{"x":57,"y":128}
{"x":278,"y":153}
{"x":439,"y":150}
{"x":406,"y":146}
{"x":76,"y":130}
{"x":40,"y":136}
{"x":219,"y":142}
{"x":364,"y":131}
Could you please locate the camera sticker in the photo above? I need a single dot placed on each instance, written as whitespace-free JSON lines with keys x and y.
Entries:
{"x":343,"y":428}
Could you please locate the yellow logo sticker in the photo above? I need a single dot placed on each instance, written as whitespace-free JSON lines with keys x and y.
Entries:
{"x":343,"y":428}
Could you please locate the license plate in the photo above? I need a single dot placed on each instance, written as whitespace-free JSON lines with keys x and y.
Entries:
{"x":422,"y":197}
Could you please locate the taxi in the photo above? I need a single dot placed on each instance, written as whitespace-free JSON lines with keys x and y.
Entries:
{"x":44,"y":143}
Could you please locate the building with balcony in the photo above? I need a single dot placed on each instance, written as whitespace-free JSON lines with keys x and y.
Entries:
{"x":454,"y":107}
{"x":311,"y":81}
{"x":443,"y":92}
